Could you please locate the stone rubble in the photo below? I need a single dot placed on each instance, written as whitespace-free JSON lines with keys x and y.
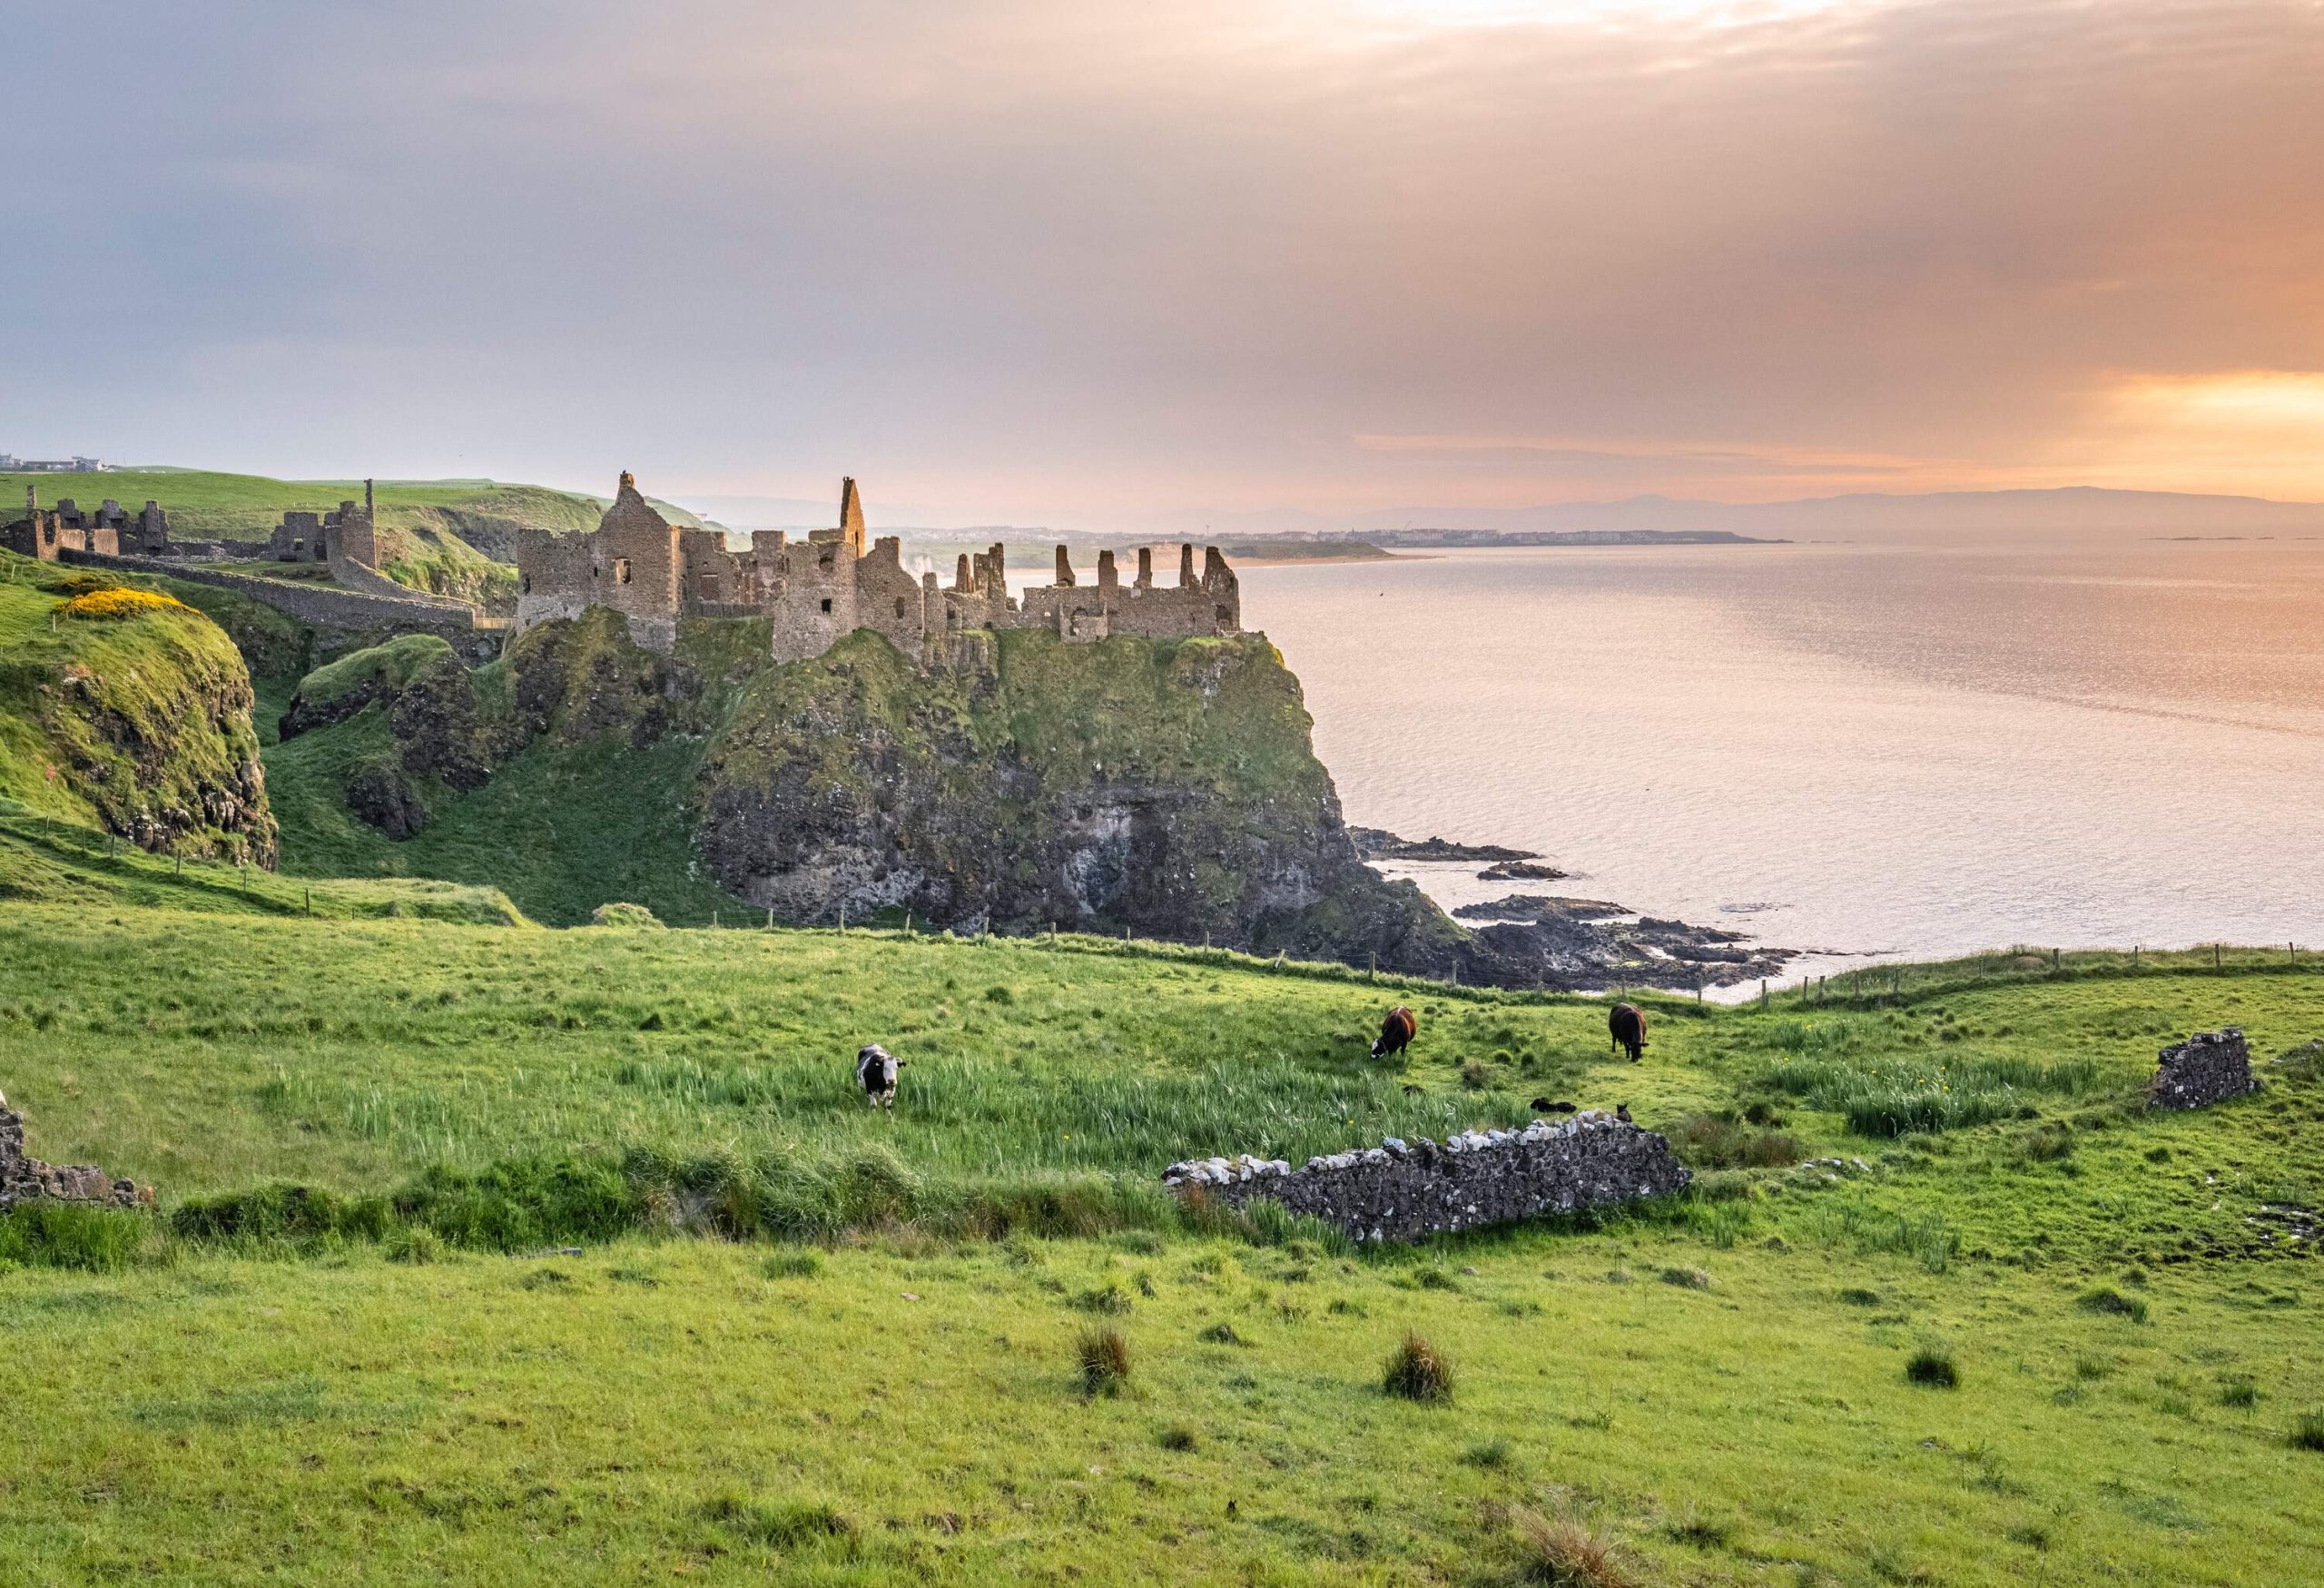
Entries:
{"x":27,"y":1180}
{"x":1402,"y":1191}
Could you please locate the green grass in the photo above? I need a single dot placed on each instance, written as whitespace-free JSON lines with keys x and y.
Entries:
{"x":355,"y":1380}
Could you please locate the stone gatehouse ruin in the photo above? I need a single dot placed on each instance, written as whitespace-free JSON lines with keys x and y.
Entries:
{"x":1396,"y":1192}
{"x":816,"y":591}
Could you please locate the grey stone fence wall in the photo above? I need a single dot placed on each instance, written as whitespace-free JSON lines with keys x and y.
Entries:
{"x":27,"y":1180}
{"x":1400,"y":1191}
{"x":2208,"y":1068}
{"x":348,"y":612}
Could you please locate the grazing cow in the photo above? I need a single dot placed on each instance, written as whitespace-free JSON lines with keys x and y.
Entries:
{"x":1396,"y":1034}
{"x":876,"y":1068}
{"x":1544,"y":1106}
{"x":1626,"y":1023}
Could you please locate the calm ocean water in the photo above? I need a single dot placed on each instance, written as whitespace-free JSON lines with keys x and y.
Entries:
{"x":1886,"y":751}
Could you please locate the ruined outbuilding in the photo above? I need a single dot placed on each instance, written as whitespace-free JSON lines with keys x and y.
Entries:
{"x":107,"y":529}
{"x":816,"y":591}
{"x":2210,"y":1067}
{"x":27,"y":1180}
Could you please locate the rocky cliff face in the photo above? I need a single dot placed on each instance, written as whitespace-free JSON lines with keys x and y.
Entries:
{"x":1165,"y":787}
{"x":1168,"y":788}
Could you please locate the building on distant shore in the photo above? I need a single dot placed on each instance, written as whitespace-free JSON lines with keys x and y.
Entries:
{"x":816,"y":591}
{"x":12,"y":464}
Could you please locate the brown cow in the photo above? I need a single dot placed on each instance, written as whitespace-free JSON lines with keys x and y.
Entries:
{"x":1396,"y":1034}
{"x":1626,"y":1025}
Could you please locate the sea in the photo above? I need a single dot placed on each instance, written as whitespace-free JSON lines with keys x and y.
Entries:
{"x":1863,"y":751}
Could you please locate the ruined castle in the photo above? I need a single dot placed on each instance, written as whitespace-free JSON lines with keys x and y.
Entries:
{"x":107,"y":529}
{"x":818,"y":590}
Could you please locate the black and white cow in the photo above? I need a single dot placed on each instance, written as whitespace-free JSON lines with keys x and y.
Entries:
{"x":876,"y":1068}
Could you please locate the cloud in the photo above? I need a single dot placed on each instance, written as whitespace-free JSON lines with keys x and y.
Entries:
{"x":1081,"y":262}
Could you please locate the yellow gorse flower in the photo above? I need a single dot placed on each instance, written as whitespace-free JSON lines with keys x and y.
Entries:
{"x":119,"y":603}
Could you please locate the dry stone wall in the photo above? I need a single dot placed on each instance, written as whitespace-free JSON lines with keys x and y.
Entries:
{"x":27,"y":1180}
{"x":334,"y":613}
{"x":2208,"y":1068}
{"x":1404,"y":1191}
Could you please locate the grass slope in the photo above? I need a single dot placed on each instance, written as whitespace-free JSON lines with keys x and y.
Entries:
{"x":141,"y":723}
{"x":1719,"y":1382}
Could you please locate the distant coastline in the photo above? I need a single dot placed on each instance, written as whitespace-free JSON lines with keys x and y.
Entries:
{"x":1473,"y":537}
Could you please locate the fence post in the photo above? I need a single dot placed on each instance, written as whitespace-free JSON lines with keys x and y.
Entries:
{"x":1763,"y":992}
{"x":770,"y":919}
{"x":1371,"y":971}
{"x":2214,"y":956}
{"x":713,"y":921}
{"x":842,"y":915}
{"x":309,"y":901}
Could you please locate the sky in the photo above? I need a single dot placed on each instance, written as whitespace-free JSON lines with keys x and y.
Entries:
{"x":1107,"y":263}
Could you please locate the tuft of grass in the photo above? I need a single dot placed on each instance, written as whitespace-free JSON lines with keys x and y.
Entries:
{"x":1722,"y":1141}
{"x":1932,"y":1367}
{"x":2307,"y":1434}
{"x":1108,"y":1297}
{"x":1857,"y":1296}
{"x":43,"y":1234}
{"x":414,"y":1244}
{"x":1493,"y":1455}
{"x":1565,"y":1550}
{"x":1103,"y":1357}
{"x":1476,"y":1076}
{"x":1221,"y":1334}
{"x":793,"y":1265}
{"x":1416,"y":1371}
{"x":2242,"y":1394}
{"x":1178,"y":1436}
{"x":779,"y":1524}
{"x":2111,"y":1302}
{"x":1687,"y":1279}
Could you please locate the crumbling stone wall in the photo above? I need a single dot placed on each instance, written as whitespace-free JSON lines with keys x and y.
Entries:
{"x":335,"y":615}
{"x":2208,"y":1068}
{"x":1400,"y":1191}
{"x":25,"y":1179}
{"x":817,"y":591}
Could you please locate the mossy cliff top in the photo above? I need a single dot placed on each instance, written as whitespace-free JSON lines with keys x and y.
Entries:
{"x":128,"y":711}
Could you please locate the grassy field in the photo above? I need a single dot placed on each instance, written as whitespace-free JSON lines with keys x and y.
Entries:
{"x":1719,"y":1384}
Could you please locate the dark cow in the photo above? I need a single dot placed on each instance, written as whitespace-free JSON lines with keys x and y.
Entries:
{"x":1396,"y":1034}
{"x":876,"y":1068}
{"x":1626,"y":1023}
{"x":1544,"y":1106}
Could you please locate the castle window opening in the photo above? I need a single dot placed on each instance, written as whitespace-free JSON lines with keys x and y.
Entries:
{"x":621,"y":570}
{"x":900,"y":605}
{"x":827,"y":603}
{"x":1222,"y":613}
